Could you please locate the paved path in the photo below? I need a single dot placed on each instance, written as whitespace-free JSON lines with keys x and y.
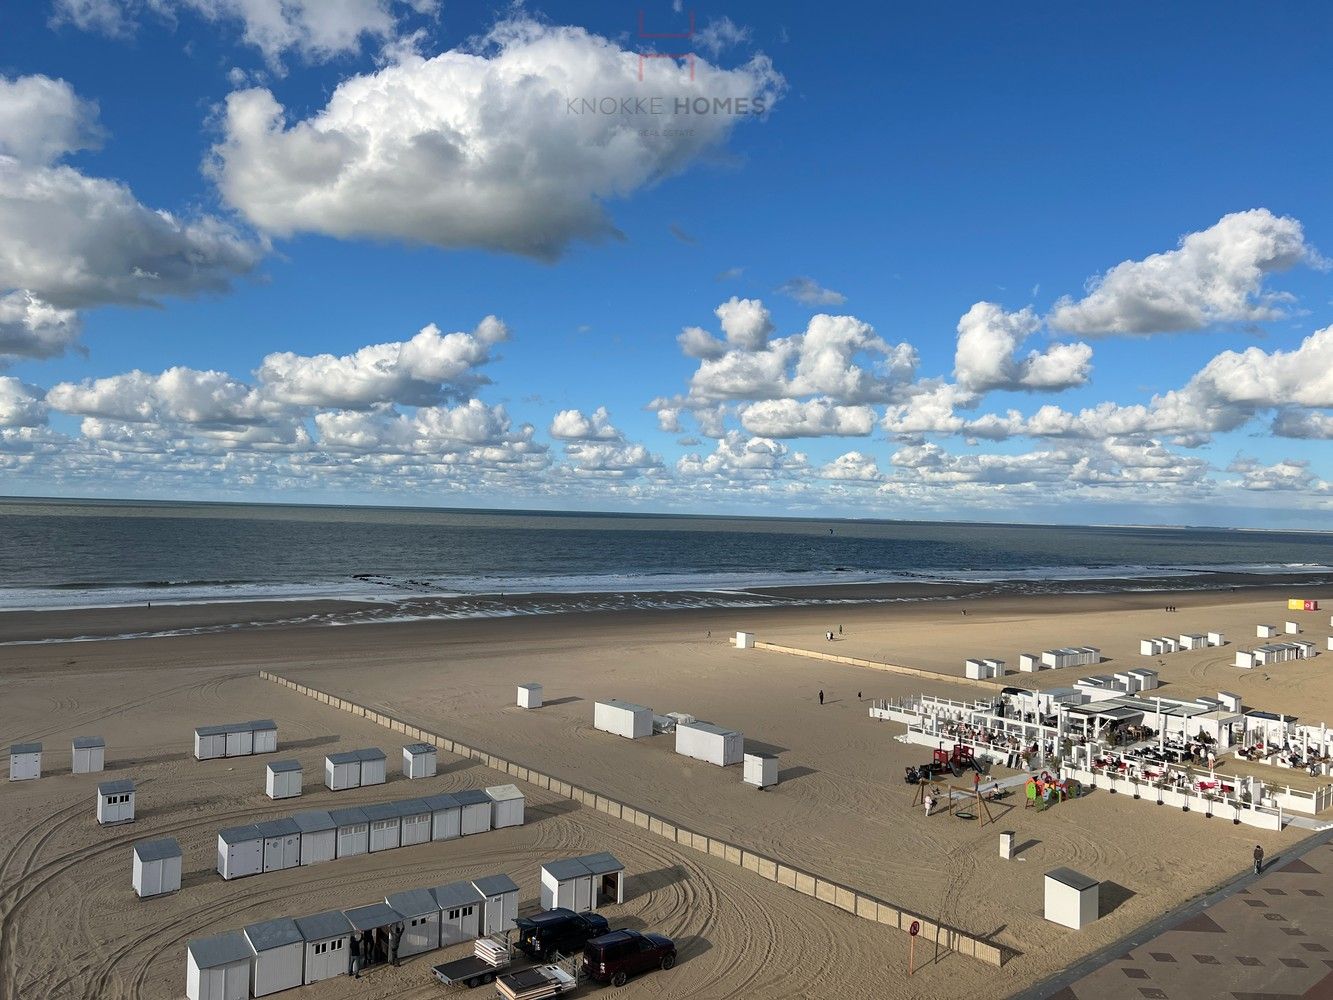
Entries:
{"x":1263,"y":938}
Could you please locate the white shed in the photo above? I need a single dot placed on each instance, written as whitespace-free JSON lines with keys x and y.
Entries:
{"x":282,"y":779}
{"x":745,"y":640}
{"x":373,"y":917}
{"x":1029,"y":663}
{"x":705,"y":741}
{"x":475,"y":815}
{"x":975,"y":670}
{"x":1292,"y":628}
{"x":386,"y":826}
{"x":415,"y":816}
{"x":1147,"y":678}
{"x":761,"y":769}
{"x":506,"y":806}
{"x":1071,"y":899}
{"x":1230,"y":701}
{"x":353,"y":828}
{"x":342,"y":771}
{"x":319,"y":836}
{"x":25,"y":761}
{"x":240,"y":739}
{"x":264,"y":736}
{"x":419,"y":760}
{"x":282,"y":843}
{"x":157,"y":867}
{"x":1216,"y":639}
{"x":446,"y":817}
{"x":500,"y":909}
{"x":608,"y":878}
{"x":582,"y":884}
{"x":421,"y":921}
{"x":115,"y":802}
{"x":1149,"y":647}
{"x":372,"y":765}
{"x":240,"y":851}
{"x":460,"y":912}
{"x":623,"y":718}
{"x":279,"y":956}
{"x":1193,"y":640}
{"x":1265,"y":631}
{"x":326,"y":953}
{"x":210,"y":742}
{"x":218,"y":968}
{"x":89,"y":754}
{"x":530,"y":696}
{"x":1244,"y":659}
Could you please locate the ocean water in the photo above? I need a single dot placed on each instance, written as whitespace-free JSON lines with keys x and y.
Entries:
{"x":61,"y":554}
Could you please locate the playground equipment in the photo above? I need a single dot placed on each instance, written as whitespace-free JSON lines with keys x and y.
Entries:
{"x":1045,"y":791}
{"x":958,"y":795}
{"x":943,"y":761}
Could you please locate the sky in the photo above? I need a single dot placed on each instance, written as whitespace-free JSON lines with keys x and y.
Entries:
{"x":740,"y":258}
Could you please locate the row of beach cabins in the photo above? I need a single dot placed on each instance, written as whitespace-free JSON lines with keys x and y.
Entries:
{"x":1030,"y":663}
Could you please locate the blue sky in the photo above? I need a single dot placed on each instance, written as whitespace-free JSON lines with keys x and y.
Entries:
{"x":912,"y":165}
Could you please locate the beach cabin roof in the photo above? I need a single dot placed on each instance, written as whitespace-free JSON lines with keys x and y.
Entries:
{"x":117,"y":787}
{"x":1071,"y":878}
{"x":259,"y":725}
{"x":471,"y":797}
{"x":157,"y":850}
{"x":211,"y":730}
{"x":603,"y":863}
{"x":412,"y":807}
{"x":25,"y":748}
{"x":314,"y":821}
{"x":442,"y":801}
{"x":504,"y":793}
{"x":413,"y":902}
{"x":278,"y":827}
{"x":708,"y":727}
{"x":346,"y":757}
{"x":281,"y":766}
{"x":456,"y":894}
{"x":566,"y":869}
{"x":369,"y":753}
{"x":239,"y":834}
{"x":88,"y":742}
{"x":372,"y":917}
{"x":269,"y":934}
{"x":209,"y":953}
{"x":494,"y":885}
{"x":380,"y":810}
{"x":629,"y":706}
{"x":323,"y":925}
{"x":349,"y":816}
{"x":419,"y":748}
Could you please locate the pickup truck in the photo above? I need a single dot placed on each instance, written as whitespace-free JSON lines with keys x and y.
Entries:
{"x":557,"y":932}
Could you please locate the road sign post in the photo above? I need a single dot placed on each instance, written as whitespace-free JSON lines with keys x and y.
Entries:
{"x":912,"y":932}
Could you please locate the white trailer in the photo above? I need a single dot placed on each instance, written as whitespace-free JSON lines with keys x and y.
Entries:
{"x":326,"y":937}
{"x":707,"y":742}
{"x":218,"y":968}
{"x":506,"y":806}
{"x":157,"y":867}
{"x":623,"y":718}
{"x":240,"y":851}
{"x":88,"y":754}
{"x":319,"y":836}
{"x":282,"y":779}
{"x":115,"y":802}
{"x":279,"y":956}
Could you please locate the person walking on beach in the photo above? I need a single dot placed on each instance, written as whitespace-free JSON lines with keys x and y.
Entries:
{"x":1258,"y":859}
{"x":395,"y":939}
{"x":839,"y":630}
{"x":821,"y":696}
{"x":930,"y":802}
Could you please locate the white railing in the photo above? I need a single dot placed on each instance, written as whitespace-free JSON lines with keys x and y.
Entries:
{"x":1205,"y":804}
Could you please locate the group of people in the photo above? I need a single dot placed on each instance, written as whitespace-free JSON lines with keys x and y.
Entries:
{"x":828,"y":636}
{"x":375,"y":947}
{"x":1307,"y":757}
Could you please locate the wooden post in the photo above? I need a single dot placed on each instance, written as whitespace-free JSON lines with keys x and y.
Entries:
{"x":912,"y":932}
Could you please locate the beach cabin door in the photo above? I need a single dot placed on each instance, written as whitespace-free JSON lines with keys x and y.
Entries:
{"x":459,"y":923}
{"x":582,"y":894}
{"x":150,"y":877}
{"x":420,"y":934}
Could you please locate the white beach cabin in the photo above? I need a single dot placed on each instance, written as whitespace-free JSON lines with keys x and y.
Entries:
{"x":608,"y":878}
{"x":25,"y":761}
{"x":240,"y":739}
{"x":326,"y":937}
{"x":282,"y":779}
{"x":386,"y":826}
{"x":421,"y":921}
{"x":157,"y":867}
{"x":623,"y":718}
{"x":264,"y":736}
{"x":115,"y":802}
{"x":761,"y":769}
{"x":218,"y":968}
{"x":1071,"y":899}
{"x":1292,"y":628}
{"x":1029,"y":663}
{"x":415,"y":816}
{"x":353,"y":828}
{"x":319,"y":836}
{"x":446,"y":817}
{"x":88,"y":754}
{"x":1244,"y":659}
{"x":210,"y":742}
{"x":282,"y":843}
{"x":279,"y":956}
{"x":240,"y":851}
{"x":1265,"y":631}
{"x":530,"y":696}
{"x":460,"y":912}
{"x":372,"y":917}
{"x":475,"y":811}
{"x":419,"y":760}
{"x":582,"y":884}
{"x":500,"y":909}
{"x":506,"y":806}
{"x":372,"y":765}
{"x":707,"y":742}
{"x":745,"y":640}
{"x":1216,"y":639}
{"x":342,"y":771}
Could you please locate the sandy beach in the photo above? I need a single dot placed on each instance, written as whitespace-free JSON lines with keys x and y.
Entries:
{"x":841,"y":809}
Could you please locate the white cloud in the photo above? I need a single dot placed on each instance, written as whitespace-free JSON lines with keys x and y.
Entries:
{"x":42,"y":119}
{"x":1303,"y":424}
{"x":696,"y":342}
{"x":21,"y":405}
{"x":573,"y":425}
{"x":615,"y":458}
{"x":1287,"y":475}
{"x":790,"y":418}
{"x":746,"y":323}
{"x":183,"y":395}
{"x":1215,"y":276}
{"x":427,"y":369}
{"x":852,"y":467}
{"x":739,"y":457}
{"x":986,"y":356}
{"x":31,"y":328}
{"x":811,"y":292}
{"x":1300,"y":377}
{"x":478,"y":148}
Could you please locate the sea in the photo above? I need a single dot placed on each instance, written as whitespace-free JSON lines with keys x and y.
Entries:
{"x":61,"y":554}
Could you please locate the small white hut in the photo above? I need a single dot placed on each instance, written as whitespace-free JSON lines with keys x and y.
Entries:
{"x":157,"y":867}
{"x":342,"y":771}
{"x":419,"y":760}
{"x":421,"y":921}
{"x":88,"y":754}
{"x":386,"y":826}
{"x":761,"y":769}
{"x":1244,"y":659}
{"x":1230,"y":701}
{"x":218,"y":968}
{"x":1193,"y":640}
{"x":372,"y":917}
{"x":210,"y":742}
{"x":623,"y":718}
{"x":115,"y":802}
{"x":500,"y":909}
{"x":240,"y":739}
{"x":264,"y":736}
{"x":1029,"y":663}
{"x":506,"y":806}
{"x":240,"y":851}
{"x":279,"y":956}
{"x":353,"y":828}
{"x":319,"y":836}
{"x":582,"y":884}
{"x":372,"y":765}
{"x":326,"y":937}
{"x":460,"y":912}
{"x":530,"y":696}
{"x":475,"y":816}
{"x":1216,"y":639}
{"x":446,"y":817}
{"x":1071,"y":899}
{"x":745,"y":640}
{"x":415,"y":815}
{"x":282,"y":779}
{"x":1265,"y":631}
{"x":707,"y":742}
{"x":282,"y":843}
{"x":25,"y":761}
{"x":1292,"y":628}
